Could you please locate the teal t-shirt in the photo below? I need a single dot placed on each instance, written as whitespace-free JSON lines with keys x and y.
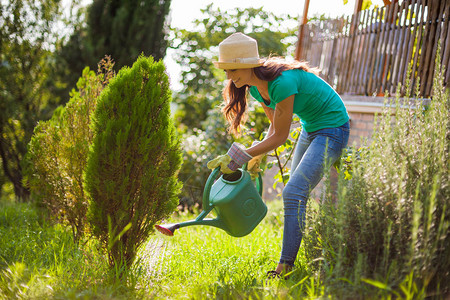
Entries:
{"x":316,"y":103}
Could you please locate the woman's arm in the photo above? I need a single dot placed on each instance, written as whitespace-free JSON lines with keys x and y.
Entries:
{"x":280,"y":125}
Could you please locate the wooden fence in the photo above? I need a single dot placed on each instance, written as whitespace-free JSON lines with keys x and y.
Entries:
{"x":370,"y":52}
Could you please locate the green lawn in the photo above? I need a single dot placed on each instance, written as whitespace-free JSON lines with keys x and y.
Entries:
{"x":40,"y":261}
{"x":205,"y":262}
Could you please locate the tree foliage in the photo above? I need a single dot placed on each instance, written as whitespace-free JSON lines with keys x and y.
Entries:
{"x":202,"y":82}
{"x":131,"y":174}
{"x":122,"y":29}
{"x":57,"y":152}
{"x":26,"y":84}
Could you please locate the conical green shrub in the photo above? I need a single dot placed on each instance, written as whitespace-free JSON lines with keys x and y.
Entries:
{"x":131,"y":174}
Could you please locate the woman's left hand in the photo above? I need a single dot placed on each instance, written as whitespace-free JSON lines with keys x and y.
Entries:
{"x":254,"y":163}
{"x":253,"y":166}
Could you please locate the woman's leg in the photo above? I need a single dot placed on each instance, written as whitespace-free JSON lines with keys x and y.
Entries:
{"x":302,"y":145}
{"x":323,"y":147}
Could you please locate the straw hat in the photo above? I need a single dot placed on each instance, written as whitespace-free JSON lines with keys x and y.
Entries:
{"x":238,"y":51}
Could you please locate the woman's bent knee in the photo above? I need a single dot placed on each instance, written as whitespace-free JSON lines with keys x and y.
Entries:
{"x":293,"y":192}
{"x":294,"y":196}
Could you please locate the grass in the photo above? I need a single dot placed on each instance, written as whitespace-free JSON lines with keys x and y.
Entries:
{"x":205,"y":262}
{"x":40,"y":261}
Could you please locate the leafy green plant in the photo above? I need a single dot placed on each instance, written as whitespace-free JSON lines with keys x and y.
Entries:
{"x":131,"y":173}
{"x":57,"y":153}
{"x":392,"y":218}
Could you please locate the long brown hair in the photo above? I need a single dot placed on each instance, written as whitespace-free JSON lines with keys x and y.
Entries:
{"x":235,"y":99}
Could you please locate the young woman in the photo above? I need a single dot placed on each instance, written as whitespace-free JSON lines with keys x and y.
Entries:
{"x":283,"y":89}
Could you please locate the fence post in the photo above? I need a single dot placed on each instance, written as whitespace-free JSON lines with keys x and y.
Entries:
{"x":298,"y":51}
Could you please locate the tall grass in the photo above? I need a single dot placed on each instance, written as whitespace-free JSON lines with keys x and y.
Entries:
{"x":390,"y":228}
{"x":41,"y":261}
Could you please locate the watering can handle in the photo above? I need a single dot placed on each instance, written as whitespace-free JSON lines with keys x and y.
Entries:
{"x":259,"y":184}
{"x":207,"y":191}
{"x":210,"y":181}
{"x":259,"y":181}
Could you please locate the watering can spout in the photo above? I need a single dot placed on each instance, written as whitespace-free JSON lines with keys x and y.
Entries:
{"x":169,"y":229}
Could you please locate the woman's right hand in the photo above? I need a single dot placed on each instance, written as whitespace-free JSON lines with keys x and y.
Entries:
{"x":230,"y":162}
{"x":221,"y":161}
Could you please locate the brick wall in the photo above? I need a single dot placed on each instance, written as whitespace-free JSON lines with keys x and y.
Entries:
{"x":361,"y":127}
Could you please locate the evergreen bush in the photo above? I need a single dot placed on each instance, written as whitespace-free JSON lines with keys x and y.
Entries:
{"x":390,"y":227}
{"x":131,"y":174}
{"x":57,"y":153}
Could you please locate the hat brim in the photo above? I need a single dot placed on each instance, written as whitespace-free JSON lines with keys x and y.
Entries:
{"x":223,"y":65}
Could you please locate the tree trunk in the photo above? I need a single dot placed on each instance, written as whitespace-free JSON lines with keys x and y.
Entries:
{"x":14,"y":176}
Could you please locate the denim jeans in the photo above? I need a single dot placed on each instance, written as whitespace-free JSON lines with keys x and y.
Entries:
{"x":314,"y":152}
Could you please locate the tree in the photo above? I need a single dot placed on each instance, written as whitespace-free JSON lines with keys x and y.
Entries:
{"x":26,"y":33}
{"x":131,"y":173}
{"x":122,"y":29}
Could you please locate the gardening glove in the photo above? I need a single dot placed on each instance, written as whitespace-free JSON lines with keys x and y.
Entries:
{"x":230,"y":162}
{"x":253,"y":165}
{"x":221,"y":161}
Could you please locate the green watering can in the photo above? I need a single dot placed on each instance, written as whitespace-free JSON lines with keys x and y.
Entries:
{"x":236,"y":201}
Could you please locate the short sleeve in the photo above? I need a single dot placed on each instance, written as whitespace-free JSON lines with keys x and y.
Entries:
{"x":282,"y":87}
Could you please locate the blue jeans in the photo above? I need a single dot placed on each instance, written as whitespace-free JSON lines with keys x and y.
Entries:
{"x":314,"y":152}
